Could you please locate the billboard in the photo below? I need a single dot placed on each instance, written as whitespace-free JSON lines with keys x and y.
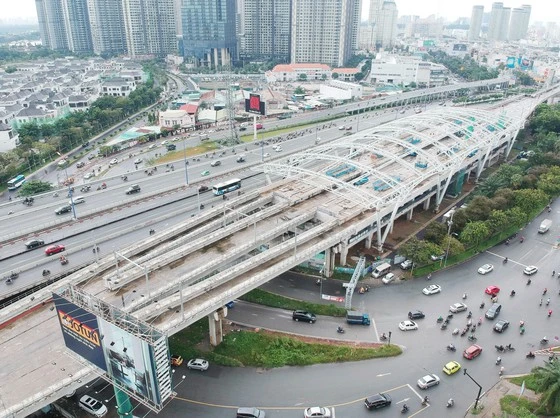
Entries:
{"x":254,"y":104}
{"x":129,"y":361}
{"x":525,"y":63}
{"x":460,"y":47}
{"x":510,"y":62}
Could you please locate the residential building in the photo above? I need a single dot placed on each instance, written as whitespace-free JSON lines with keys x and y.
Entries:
{"x":107,"y":28}
{"x":345,"y":74}
{"x":519,"y":23}
{"x":149,"y":27}
{"x":476,"y":22}
{"x":264,"y":30}
{"x":211,"y":38}
{"x":324,"y":31}
{"x":51,"y":24}
{"x":499,"y":22}
{"x":116,"y":87}
{"x":8,"y":138}
{"x":173,"y":118}
{"x":76,"y":22}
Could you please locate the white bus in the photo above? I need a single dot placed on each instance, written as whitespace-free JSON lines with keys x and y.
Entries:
{"x":16,"y":182}
{"x":226,"y":187}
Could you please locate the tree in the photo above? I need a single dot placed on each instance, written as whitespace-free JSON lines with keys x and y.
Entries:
{"x":34,"y":187}
{"x":419,"y":251}
{"x":302,"y":77}
{"x":516,"y":216}
{"x":455,"y":246}
{"x":550,"y":182}
{"x":299,"y":90}
{"x":479,"y":209}
{"x":497,"y":221}
{"x":335,"y":76}
{"x":530,"y":200}
{"x":474,"y":232}
{"x":324,"y":77}
{"x":547,"y":380}
{"x":435,"y":232}
{"x":412,"y":85}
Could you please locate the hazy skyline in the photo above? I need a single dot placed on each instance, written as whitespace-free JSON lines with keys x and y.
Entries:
{"x":542,"y":10}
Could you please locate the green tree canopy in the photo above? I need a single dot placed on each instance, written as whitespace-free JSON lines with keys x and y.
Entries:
{"x":530,"y":200}
{"x":549,"y":182}
{"x":34,"y":187}
{"x":419,"y":251}
{"x":435,"y":232}
{"x":547,"y":380}
{"x":474,"y":233}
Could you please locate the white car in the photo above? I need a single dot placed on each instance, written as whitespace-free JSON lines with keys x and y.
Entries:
{"x":88,"y":176}
{"x":92,"y":405}
{"x":432,"y":289}
{"x":530,"y":270}
{"x":266,"y":155}
{"x":152,"y":146}
{"x":198,"y":364}
{"x":408,"y":325}
{"x":428,"y":381}
{"x":389,"y":277}
{"x":114,"y":161}
{"x":317,"y":412}
{"x":278,"y":149}
{"x":138,"y":160}
{"x":487,"y":268}
{"x":341,"y":128}
{"x":458,"y":307}
{"x":163,"y":143}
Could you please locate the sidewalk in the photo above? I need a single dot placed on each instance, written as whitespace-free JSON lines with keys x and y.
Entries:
{"x":491,"y":399}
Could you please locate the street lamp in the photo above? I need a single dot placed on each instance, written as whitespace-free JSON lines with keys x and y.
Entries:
{"x":449,"y":223}
{"x":389,"y":339}
{"x":479,"y":388}
{"x":186,"y":162}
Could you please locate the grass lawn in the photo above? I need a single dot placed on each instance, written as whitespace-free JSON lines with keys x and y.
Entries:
{"x":270,"y":299}
{"x":172,"y":156}
{"x":267,"y":349}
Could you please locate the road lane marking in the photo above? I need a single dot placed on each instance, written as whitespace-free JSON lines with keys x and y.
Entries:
{"x":383,"y":374}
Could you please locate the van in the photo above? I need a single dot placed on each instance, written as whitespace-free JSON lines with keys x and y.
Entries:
{"x":494,"y":311}
{"x":250,"y":413}
{"x":77,"y":200}
{"x":381,"y":270}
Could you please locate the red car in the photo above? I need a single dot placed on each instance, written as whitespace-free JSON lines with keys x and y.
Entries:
{"x":492,"y":290}
{"x":54,"y":249}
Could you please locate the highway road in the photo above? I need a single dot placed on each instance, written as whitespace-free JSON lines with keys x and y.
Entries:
{"x":162,"y":200}
{"x":286,"y":391}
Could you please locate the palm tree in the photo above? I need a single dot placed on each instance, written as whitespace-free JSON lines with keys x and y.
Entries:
{"x":547,"y":379}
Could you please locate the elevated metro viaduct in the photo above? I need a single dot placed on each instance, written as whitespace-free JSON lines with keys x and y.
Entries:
{"x":330,"y":198}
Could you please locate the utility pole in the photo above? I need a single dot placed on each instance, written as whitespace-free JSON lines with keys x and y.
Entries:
{"x":233,"y":138}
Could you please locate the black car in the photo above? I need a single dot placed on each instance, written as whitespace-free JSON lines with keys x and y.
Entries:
{"x":380,"y":400}
{"x":63,"y":209}
{"x":34,"y":243}
{"x":501,"y":325}
{"x":202,"y":188}
{"x":133,"y":189}
{"x":171,"y":147}
{"x":304,"y":316}
{"x":416,"y":315}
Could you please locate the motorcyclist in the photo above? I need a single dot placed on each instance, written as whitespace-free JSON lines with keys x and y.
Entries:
{"x":498,"y":360}
{"x":530,"y":354}
{"x":451,"y":347}
{"x":549,"y":313}
{"x":425,"y":401}
{"x":505,"y":260}
{"x":450,"y":402}
{"x":512,"y":293}
{"x":383,"y":336}
{"x":339,"y":329}
{"x":404,"y":408}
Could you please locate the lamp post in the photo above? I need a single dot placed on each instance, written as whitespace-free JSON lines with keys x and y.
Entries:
{"x":70,"y":193}
{"x":449,"y":223}
{"x":186,"y":162}
{"x":389,"y":339}
{"x":479,"y":388}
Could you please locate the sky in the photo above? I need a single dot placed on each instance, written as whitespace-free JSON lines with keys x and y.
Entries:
{"x":542,"y":10}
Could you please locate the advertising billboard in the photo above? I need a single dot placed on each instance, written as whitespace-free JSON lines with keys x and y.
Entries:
{"x":510,"y":62}
{"x":129,"y":361}
{"x":525,"y":63}
{"x":254,"y":104}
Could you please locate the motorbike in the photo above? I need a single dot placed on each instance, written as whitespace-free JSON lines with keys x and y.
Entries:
{"x":500,"y":348}
{"x":482,"y":305}
{"x":469,"y":322}
{"x":469,"y":315}
{"x":63,"y":260}
{"x":55,"y":194}
{"x":404,"y":408}
{"x":505,"y":260}
{"x":425,"y":401}
{"x":472,"y":337}
{"x":522,"y":330}
{"x":544,"y":341}
{"x":479,"y":321}
{"x":340,"y":330}
{"x":498,"y":361}
{"x":450,"y":403}
{"x":152,"y":231}
{"x":383,"y":337}
{"x":512,"y":293}
{"x":528,"y":282}
{"x":440,"y":320}
{"x":443,"y":326}
{"x":464,"y":332}
{"x":530,"y":354}
{"x":464,"y":295}
{"x":451,"y":347}
{"x":549,"y":313}
{"x":46,"y":272}
{"x":9,"y":281}
{"x":85,"y":189}
{"x":455,"y":331}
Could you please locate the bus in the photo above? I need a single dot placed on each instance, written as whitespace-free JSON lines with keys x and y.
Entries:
{"x":16,"y":182}
{"x":226,"y":187}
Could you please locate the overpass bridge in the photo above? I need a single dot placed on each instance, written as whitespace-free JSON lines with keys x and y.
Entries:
{"x":331,"y":197}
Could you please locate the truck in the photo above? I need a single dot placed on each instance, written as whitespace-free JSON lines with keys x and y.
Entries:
{"x":360,"y":318}
{"x":545,"y":226}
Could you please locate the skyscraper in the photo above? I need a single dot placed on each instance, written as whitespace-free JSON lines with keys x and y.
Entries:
{"x":516,"y":24}
{"x":150,"y":27}
{"x":499,"y":22}
{"x":107,"y":27}
{"x":324,"y":31}
{"x":476,"y":22}
{"x":209,"y":36}
{"x":264,"y":30}
{"x":51,"y":24}
{"x":76,"y":22}
{"x":386,"y":32}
